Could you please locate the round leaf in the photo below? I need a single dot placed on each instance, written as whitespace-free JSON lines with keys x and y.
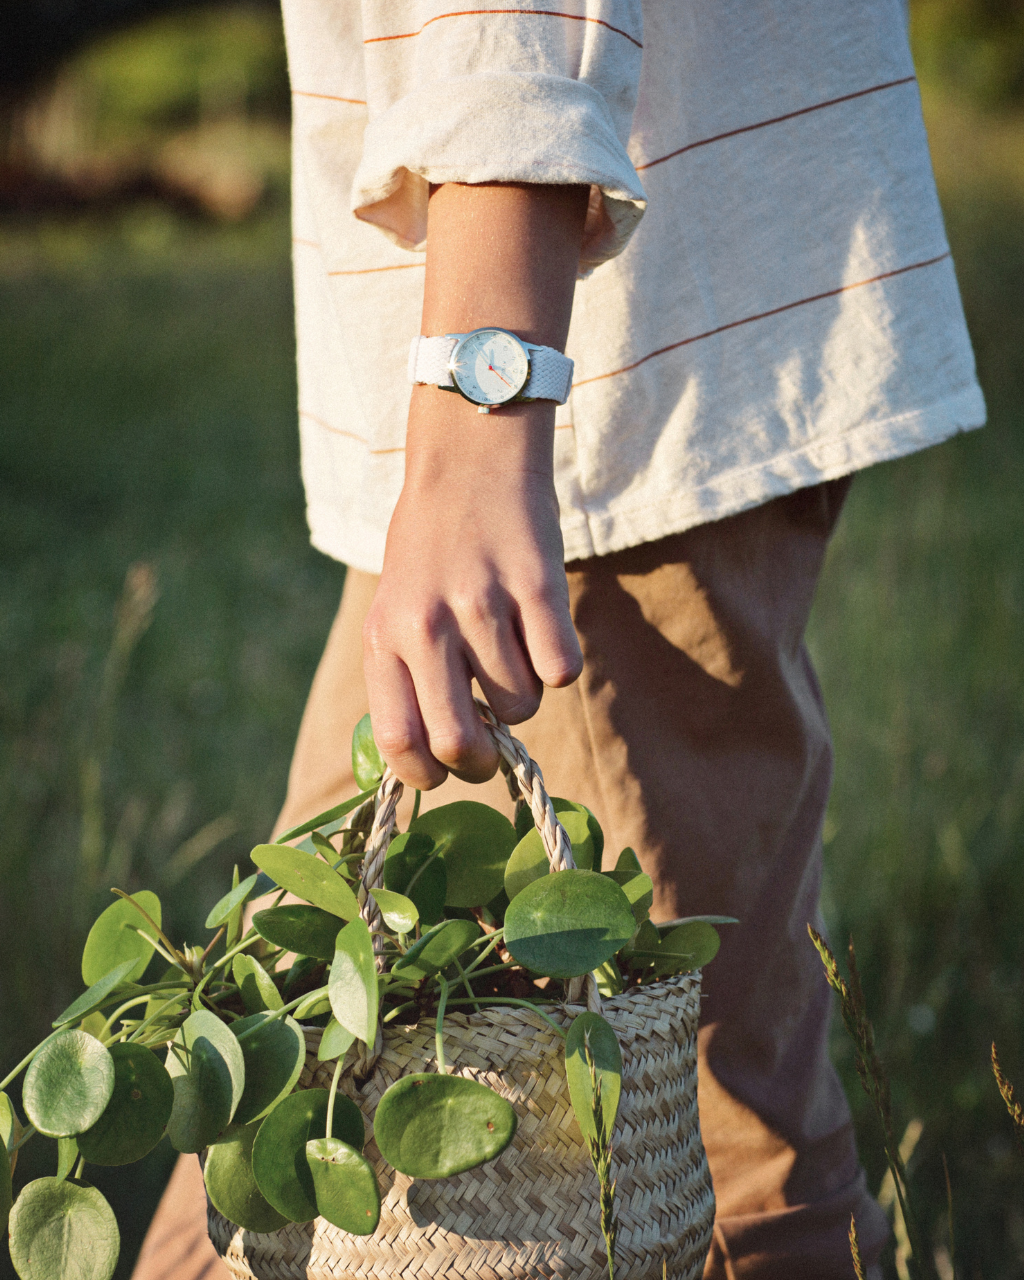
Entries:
{"x":628,"y":861}
{"x":207,"y":1068}
{"x":399,"y":912}
{"x":367,"y":762}
{"x":256,"y":985}
{"x":232,"y":1187}
{"x":638,"y":888}
{"x":586,"y":837}
{"x":63,"y":1229}
{"x":113,"y":938}
{"x":334,"y":1042}
{"x":353,"y":987}
{"x":475,"y":842}
{"x":231,"y":900}
{"x":316,"y":1003}
{"x":345,"y":1186}
{"x":528,"y":862}
{"x":6,"y":1195}
{"x":308,"y":878}
{"x":438,"y":948}
{"x":68,"y":1084}
{"x":688,"y":947}
{"x":279,"y":1153}
{"x":10,"y":1128}
{"x":67,"y":1156}
{"x":307,"y":931}
{"x":604,"y":1049}
{"x":95,"y":996}
{"x":433,"y":1126}
{"x":135,"y":1118}
{"x":568,"y":923}
{"x":274,"y":1051}
{"x":411,"y":868}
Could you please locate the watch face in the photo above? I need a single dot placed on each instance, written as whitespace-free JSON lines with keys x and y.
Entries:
{"x":490,"y":366}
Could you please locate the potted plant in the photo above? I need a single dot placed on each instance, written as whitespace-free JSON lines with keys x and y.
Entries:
{"x":420,"y":982}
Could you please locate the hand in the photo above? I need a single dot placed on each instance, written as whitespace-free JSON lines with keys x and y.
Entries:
{"x":473,"y":581}
{"x":473,"y":585}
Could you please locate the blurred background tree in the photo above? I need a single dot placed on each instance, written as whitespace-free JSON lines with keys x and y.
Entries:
{"x":161,"y":611}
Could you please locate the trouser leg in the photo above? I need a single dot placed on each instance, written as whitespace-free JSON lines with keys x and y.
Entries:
{"x":697,"y":736}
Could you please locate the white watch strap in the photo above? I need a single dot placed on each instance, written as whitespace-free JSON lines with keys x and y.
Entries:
{"x":550,"y":372}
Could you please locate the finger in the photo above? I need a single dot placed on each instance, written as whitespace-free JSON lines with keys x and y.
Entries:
{"x":550,"y":637}
{"x":498,"y":659}
{"x":398,"y":727}
{"x":455,"y":732}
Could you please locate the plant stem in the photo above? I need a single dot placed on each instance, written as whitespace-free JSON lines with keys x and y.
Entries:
{"x":492,"y":941}
{"x":128,"y":1004}
{"x":416,"y":807}
{"x":439,"y":1032}
{"x":153,"y":1017}
{"x":334,"y":1094}
{"x":465,"y":982}
{"x":153,"y":924}
{"x":401,"y":1008}
{"x":486,"y":1001}
{"x":79,"y":1167}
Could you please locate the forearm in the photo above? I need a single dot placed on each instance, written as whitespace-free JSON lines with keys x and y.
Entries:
{"x":505,"y":256}
{"x":473,"y":581}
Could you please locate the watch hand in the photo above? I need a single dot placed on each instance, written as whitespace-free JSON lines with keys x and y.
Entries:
{"x":505,"y":380}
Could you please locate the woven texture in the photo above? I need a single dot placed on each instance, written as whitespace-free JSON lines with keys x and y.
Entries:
{"x":533,"y":1212}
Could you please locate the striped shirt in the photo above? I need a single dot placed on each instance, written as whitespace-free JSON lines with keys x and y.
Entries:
{"x":767,"y":298}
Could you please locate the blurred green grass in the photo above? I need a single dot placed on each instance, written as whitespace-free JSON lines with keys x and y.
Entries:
{"x":147,"y":413}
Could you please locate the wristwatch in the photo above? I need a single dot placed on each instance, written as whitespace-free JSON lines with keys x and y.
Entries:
{"x":491,"y":367}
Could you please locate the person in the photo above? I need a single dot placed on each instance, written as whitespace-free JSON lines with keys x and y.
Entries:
{"x":725,"y":215}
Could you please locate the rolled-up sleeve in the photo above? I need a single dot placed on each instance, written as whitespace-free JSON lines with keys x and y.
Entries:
{"x":505,"y":94}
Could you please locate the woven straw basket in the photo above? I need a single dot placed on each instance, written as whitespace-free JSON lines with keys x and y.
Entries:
{"x":532,"y":1212}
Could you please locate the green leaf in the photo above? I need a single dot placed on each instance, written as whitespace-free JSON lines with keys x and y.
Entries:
{"x":604,"y":1048}
{"x":638,"y":888}
{"x":345,"y":1185}
{"x":113,"y":938}
{"x":67,"y":1155}
{"x":231,"y":1184}
{"x":63,"y":1230}
{"x":687,"y":947}
{"x":586,"y":837}
{"x":568,"y":923}
{"x":608,"y":978}
{"x":6,"y":1191}
{"x":9,"y":1124}
{"x":666,"y":926}
{"x":528,"y":862}
{"x":322,"y":819}
{"x":274,"y":1050}
{"x":207,"y":1067}
{"x":628,"y":861}
{"x":308,"y":931}
{"x":97,"y":993}
{"x":353,"y":982}
{"x":438,"y":948}
{"x":135,"y":1118}
{"x":316,"y":1003}
{"x":308,"y":878}
{"x":399,"y":912}
{"x":334,"y":1042}
{"x":367,"y":763}
{"x":433,"y":1126}
{"x":279,"y":1160}
{"x":68,"y":1084}
{"x":643,"y":946}
{"x":411,"y":868}
{"x":231,"y":901}
{"x":256,"y":985}
{"x":475,"y":842}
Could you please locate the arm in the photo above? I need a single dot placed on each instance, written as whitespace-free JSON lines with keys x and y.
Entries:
{"x":473,"y":581}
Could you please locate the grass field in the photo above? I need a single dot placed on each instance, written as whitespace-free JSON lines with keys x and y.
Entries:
{"x":147,"y":415}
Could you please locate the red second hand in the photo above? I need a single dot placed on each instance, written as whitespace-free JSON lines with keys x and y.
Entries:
{"x":505,"y":380}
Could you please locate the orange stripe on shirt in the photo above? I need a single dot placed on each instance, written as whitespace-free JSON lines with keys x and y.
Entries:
{"x":763,"y":124}
{"x":366,"y":271}
{"x":329,"y":97}
{"x":303,"y":413}
{"x":763,"y":315}
{"x":528,"y":13}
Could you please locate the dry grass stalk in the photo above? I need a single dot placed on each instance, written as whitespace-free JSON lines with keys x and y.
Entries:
{"x":601,"y":1155}
{"x":876,"y":1086}
{"x":858,"y":1265}
{"x":1012,"y":1106}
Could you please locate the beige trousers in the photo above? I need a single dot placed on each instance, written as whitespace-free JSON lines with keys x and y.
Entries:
{"x":697,"y":735}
